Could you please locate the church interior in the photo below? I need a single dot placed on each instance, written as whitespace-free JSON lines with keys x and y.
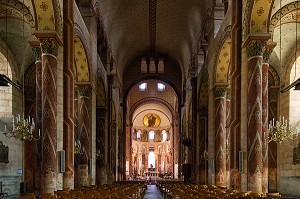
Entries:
{"x":189,"y":94}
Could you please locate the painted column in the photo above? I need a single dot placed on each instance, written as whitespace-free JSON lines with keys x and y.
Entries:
{"x":235,"y":87}
{"x":100,"y":145}
{"x":38,"y":115}
{"x":272,"y":155}
{"x":194,"y":137}
{"x":176,"y":144}
{"x":30,"y":150}
{"x":68,"y":99}
{"x":49,"y":114}
{"x":228,"y":149}
{"x":84,"y":133}
{"x":254,"y":101}
{"x":203,"y":165}
{"x":220,"y":136}
{"x":265,"y":117}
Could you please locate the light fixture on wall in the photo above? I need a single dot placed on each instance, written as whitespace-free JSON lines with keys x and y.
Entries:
{"x":280,"y":130}
{"x":22,"y":129}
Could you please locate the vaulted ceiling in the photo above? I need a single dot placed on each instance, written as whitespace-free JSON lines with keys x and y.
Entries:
{"x":158,"y":27}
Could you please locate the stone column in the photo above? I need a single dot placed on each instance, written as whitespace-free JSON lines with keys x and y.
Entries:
{"x":68,"y":99}
{"x":38,"y":115}
{"x":176,"y":144}
{"x":100,"y":145}
{"x":272,"y":154}
{"x":265,"y":117}
{"x":194,"y":136}
{"x":228,"y":149}
{"x":203,"y":165}
{"x":84,"y":133}
{"x":220,"y":136}
{"x":235,"y":88}
{"x":49,"y":114}
{"x":254,"y":102}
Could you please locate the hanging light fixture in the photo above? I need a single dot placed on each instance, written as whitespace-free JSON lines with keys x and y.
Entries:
{"x":22,"y":128}
{"x":282,"y":129}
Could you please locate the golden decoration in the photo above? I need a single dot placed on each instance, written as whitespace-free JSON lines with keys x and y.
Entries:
{"x":151,"y":120}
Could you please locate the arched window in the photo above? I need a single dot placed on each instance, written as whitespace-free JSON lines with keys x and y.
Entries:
{"x":6,"y":94}
{"x":151,"y":135}
{"x":151,"y":160}
{"x":165,"y":136}
{"x":138,"y":135}
{"x":294,"y":94}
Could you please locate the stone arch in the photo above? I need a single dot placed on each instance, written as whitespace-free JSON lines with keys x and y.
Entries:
{"x":222,"y":59}
{"x":17,"y":9}
{"x":81,"y":61}
{"x":286,"y":13}
{"x":256,"y":17}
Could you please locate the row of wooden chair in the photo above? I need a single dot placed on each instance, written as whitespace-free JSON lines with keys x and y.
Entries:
{"x":118,"y":190}
{"x":180,"y":190}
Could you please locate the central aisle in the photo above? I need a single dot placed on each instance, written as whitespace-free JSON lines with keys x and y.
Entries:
{"x":152,"y":192}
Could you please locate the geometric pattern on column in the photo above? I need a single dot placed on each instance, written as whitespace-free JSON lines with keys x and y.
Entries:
{"x":220,"y":136}
{"x":254,"y":112}
{"x":49,"y":124}
{"x":265,"y":119}
{"x":84,"y":135}
{"x":228,"y":148}
{"x":68,"y":92}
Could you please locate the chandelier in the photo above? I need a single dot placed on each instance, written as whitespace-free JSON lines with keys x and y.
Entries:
{"x":280,"y":130}
{"x":23,"y":129}
{"x":78,"y":149}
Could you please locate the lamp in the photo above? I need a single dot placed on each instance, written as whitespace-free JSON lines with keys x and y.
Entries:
{"x":23,"y":129}
{"x":280,"y":130}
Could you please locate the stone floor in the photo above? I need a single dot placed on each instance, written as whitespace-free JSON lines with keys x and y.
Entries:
{"x":152,"y":192}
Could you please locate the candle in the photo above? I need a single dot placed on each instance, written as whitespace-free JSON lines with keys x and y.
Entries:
{"x":5,"y":128}
{"x":39,"y":132}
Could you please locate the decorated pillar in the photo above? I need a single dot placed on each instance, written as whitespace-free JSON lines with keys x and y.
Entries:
{"x":255,"y":113}
{"x":30,"y":150}
{"x":220,"y":136}
{"x":272,"y":152}
{"x":265,"y":117}
{"x":203,"y":164}
{"x":194,"y":137}
{"x":38,"y":115}
{"x":100,"y":146}
{"x":175,"y":135}
{"x":84,"y":133}
{"x":236,"y":97}
{"x":68,"y":99}
{"x":49,"y":48}
{"x":228,"y":152}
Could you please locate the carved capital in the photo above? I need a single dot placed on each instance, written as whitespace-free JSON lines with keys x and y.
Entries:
{"x":37,"y":53}
{"x":220,"y":92}
{"x":255,"y":48}
{"x":49,"y":45}
{"x":85,"y":91}
{"x":266,"y":55}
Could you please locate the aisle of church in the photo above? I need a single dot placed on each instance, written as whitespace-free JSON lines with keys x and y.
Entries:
{"x":152,"y":192}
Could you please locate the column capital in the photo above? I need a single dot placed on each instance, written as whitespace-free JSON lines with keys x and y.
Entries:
{"x":220,"y":92}
{"x":36,"y":49}
{"x":268,"y":51}
{"x":255,"y":43}
{"x":49,"y":46}
{"x":85,"y":91}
